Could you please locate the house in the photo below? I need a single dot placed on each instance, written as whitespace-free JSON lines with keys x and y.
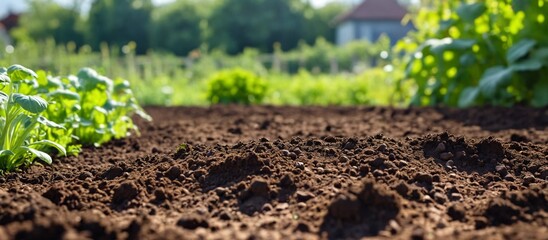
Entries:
{"x":370,"y":19}
{"x":6,"y":24}
{"x":10,"y":21}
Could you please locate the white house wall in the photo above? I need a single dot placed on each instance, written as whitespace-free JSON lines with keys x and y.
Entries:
{"x":4,"y":38}
{"x":371,"y":31}
{"x":346,"y":32}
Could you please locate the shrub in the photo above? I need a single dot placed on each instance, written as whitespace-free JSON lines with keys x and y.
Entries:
{"x":236,"y":86}
{"x":486,"y":52}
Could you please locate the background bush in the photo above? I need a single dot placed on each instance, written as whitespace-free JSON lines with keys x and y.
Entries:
{"x":236,"y":86}
{"x":479,"y":52}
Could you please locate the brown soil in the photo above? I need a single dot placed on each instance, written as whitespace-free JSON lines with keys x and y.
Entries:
{"x":296,"y":173}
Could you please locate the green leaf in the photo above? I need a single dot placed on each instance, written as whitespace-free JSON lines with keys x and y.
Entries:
{"x":101,"y":110}
{"x":495,"y":79}
{"x":49,"y":143}
{"x":64,"y":94}
{"x":49,"y":123}
{"x":521,"y":5}
{"x":540,"y":98}
{"x":4,"y":78}
{"x":467,"y":59}
{"x":519,"y":50}
{"x":19,"y":73}
{"x":41,"y":155}
{"x":3,"y":97}
{"x":541,"y":54}
{"x":89,"y":79}
{"x":448,"y":44}
{"x":42,"y":78}
{"x":446,"y":24}
{"x":54,"y":82}
{"x":469,"y":12}
{"x":6,"y":153}
{"x":141,"y":113}
{"x":122,"y":86}
{"x":530,"y":64}
{"x":33,"y":104}
{"x":76,"y":108}
{"x":468,"y":97}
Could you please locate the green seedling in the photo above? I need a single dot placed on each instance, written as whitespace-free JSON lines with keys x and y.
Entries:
{"x":21,"y":122}
{"x":105,"y":108}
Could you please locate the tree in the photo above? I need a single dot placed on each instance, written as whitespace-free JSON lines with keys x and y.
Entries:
{"x":46,"y":19}
{"x":320,"y":21}
{"x":237,"y":24}
{"x":118,"y":22}
{"x":179,"y":27}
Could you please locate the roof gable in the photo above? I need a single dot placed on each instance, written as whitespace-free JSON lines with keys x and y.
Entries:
{"x":10,"y":21}
{"x":374,"y":10}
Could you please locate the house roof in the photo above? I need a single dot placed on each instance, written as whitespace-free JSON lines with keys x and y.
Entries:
{"x":10,"y":20}
{"x":374,"y":10}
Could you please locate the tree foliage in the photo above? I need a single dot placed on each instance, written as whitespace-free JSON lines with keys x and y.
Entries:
{"x":118,"y":22}
{"x":46,"y":19}
{"x":237,"y":24}
{"x":183,"y":25}
{"x":319,"y":22}
{"x":179,"y":27}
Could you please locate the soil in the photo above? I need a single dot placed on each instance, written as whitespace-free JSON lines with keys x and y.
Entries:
{"x":233,"y":172}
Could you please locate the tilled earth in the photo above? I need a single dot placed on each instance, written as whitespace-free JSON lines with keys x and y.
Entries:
{"x":296,"y":173}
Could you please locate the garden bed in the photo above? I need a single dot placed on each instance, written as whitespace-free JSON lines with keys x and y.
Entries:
{"x":295,"y":172}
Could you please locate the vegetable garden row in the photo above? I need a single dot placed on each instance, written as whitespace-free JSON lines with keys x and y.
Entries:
{"x":43,"y":115}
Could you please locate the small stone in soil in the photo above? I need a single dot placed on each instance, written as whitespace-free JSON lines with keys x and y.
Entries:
{"x":113,"y":173}
{"x":173,"y":172}
{"x":446,"y":156}
{"x":440,"y":148}
{"x":528,"y":179}
{"x":501,"y":170}
{"x":259,"y":187}
{"x":303,"y":196}
{"x":125,"y":192}
{"x":456,"y":196}
{"x":456,"y":212}
{"x":424,"y":177}
{"x":192,"y":221}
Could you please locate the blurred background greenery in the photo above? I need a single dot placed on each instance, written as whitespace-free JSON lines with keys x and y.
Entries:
{"x":460,"y":53}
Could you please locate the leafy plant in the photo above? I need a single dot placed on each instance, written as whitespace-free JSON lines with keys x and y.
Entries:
{"x":97,"y":108}
{"x":236,"y":86}
{"x":485,"y":52}
{"x":21,"y":122}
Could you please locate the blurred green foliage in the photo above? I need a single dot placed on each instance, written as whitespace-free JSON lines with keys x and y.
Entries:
{"x":236,"y":86}
{"x":47,"y":19}
{"x":261,"y":24}
{"x":180,"y":27}
{"x":118,"y":22}
{"x":479,"y":52}
{"x":305,"y":75}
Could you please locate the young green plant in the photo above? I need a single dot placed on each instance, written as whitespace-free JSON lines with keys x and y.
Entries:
{"x":21,"y":122}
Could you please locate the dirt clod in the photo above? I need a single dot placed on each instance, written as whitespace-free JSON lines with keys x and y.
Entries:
{"x":125,"y":192}
{"x":192,"y":221}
